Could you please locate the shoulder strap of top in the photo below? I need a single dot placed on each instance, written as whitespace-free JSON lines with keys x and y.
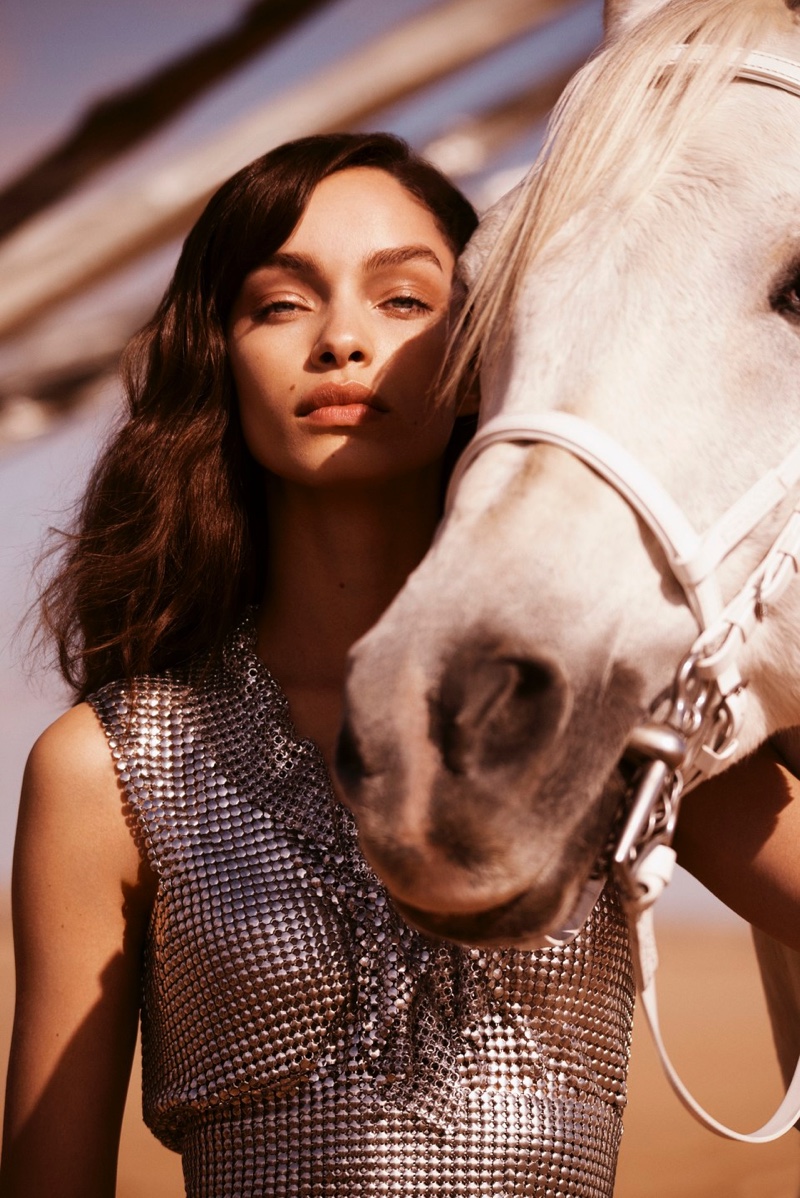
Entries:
{"x":154,"y":736}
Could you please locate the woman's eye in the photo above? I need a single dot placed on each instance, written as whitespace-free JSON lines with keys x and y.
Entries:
{"x":407,"y":303}
{"x":276,"y":308}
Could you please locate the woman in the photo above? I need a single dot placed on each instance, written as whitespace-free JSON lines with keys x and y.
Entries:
{"x":280,"y":475}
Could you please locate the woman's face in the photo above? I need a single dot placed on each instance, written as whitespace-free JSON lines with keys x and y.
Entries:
{"x":335,"y":342}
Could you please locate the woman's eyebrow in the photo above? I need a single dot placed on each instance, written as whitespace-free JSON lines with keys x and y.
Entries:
{"x":299,"y":264}
{"x":398,"y":256}
{"x":306,"y":264}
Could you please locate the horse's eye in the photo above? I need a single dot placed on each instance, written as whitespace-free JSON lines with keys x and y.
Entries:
{"x":785,"y":299}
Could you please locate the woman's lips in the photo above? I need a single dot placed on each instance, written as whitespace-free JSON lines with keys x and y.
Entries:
{"x":337,"y":405}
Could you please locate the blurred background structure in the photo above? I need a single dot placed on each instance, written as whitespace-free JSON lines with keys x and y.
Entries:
{"x":117,"y":119}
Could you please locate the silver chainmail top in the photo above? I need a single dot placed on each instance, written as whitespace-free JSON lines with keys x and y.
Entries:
{"x":298,"y":1038}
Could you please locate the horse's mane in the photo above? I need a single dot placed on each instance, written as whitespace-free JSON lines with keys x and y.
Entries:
{"x":617,"y":125}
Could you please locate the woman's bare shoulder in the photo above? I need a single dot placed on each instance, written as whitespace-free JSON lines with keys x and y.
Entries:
{"x":74,"y":742}
{"x":72,"y":796}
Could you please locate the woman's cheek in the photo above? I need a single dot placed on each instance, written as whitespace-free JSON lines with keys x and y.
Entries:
{"x":415,"y":363}
{"x":265,"y":434}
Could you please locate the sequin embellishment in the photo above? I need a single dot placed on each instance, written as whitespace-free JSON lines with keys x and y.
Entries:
{"x":298,"y":1038}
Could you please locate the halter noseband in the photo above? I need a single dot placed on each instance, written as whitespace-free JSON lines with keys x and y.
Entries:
{"x":698,"y":734}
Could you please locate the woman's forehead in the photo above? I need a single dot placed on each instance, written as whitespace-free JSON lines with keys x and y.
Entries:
{"x":364,"y":211}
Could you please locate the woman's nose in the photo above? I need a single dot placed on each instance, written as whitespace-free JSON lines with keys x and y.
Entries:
{"x":341,"y":340}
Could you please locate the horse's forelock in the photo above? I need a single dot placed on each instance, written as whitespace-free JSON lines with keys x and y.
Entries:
{"x":618,"y":124}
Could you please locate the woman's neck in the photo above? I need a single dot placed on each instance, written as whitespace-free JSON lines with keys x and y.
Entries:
{"x":337,"y":558}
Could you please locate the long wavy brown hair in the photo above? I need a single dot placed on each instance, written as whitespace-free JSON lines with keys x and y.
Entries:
{"x":168,"y":548}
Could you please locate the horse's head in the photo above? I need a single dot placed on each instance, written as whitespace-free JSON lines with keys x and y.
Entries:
{"x":648,"y":281}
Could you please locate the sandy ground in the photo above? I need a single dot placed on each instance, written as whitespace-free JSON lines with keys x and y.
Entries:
{"x":717,"y":1031}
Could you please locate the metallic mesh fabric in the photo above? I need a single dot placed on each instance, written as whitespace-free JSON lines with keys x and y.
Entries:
{"x":298,"y":1038}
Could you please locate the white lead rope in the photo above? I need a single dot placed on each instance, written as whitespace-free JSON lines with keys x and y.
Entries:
{"x":645,"y":960}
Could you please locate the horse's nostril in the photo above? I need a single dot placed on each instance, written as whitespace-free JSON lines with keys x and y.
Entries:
{"x":494,"y":707}
{"x":350,"y":767}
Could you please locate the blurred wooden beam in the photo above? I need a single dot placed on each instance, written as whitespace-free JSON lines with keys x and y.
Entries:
{"x":60,"y":365}
{"x":57,"y":355}
{"x":23,"y":419}
{"x":62,"y":252}
{"x":121,"y":120}
{"x":474,"y":142}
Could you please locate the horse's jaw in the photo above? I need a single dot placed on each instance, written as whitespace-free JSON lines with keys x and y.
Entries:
{"x":458,"y":882}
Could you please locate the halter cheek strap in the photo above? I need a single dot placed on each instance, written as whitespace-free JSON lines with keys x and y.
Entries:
{"x":771,"y":69}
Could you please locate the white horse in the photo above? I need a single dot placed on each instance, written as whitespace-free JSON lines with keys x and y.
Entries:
{"x":645,"y":278}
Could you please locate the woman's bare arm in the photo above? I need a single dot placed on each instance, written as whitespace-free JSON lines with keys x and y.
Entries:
{"x":81,"y":898}
{"x":739,"y":834}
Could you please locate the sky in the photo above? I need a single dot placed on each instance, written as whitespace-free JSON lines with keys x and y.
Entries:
{"x":56,"y":56}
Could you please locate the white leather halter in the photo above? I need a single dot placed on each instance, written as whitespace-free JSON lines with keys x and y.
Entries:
{"x":678,"y":755}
